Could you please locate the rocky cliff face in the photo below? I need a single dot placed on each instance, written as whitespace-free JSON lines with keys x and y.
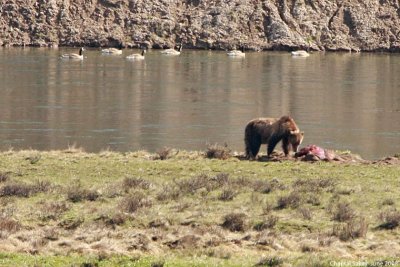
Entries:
{"x":368,"y":25}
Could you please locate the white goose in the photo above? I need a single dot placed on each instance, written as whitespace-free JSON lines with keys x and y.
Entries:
{"x":172,"y":52}
{"x":237,"y":53}
{"x":300,"y":53}
{"x":73,"y":55}
{"x":137,"y":56}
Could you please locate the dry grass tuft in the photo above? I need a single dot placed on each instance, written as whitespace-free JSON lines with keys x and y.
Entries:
{"x":41,"y":186}
{"x":51,"y":234}
{"x":116,"y":219}
{"x":76,"y":193}
{"x":266,"y":186}
{"x":53,"y":210}
{"x":293,"y":200}
{"x":164,"y":153}
{"x":89,"y":264}
{"x":242,"y":181}
{"x":38,"y":243}
{"x":235,"y":222}
{"x":168,"y":192}
{"x":34,"y":159}
{"x":267,"y":208}
{"x":314,"y":185}
{"x":24,"y":190}
{"x":351,"y":229}
{"x":306,"y":213}
{"x":217,"y":252}
{"x":388,"y":202}
{"x":218,"y":152}
{"x":74,"y":149}
{"x":71,"y":223}
{"x":4,"y":177}
{"x":92,"y":195}
{"x":227,"y":194}
{"x":220,"y":179}
{"x":201,"y":182}
{"x":390,"y":220}
{"x":113,"y":190}
{"x":16,"y":189}
{"x":134,"y":202}
{"x":268,"y":223}
{"x":182,"y":207}
{"x":158,"y":264}
{"x":159,"y":223}
{"x":270,"y":261}
{"x":308,"y":248}
{"x":345,"y":191}
{"x":185,"y":242}
{"x":313,"y":199}
{"x":325,"y":240}
{"x":343,"y":212}
{"x":133,"y":182}
{"x":191,"y":185}
{"x":9,"y":225}
{"x":112,"y":220}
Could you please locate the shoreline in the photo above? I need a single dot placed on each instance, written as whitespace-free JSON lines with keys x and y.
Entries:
{"x":218,"y":152}
{"x":223,"y":48}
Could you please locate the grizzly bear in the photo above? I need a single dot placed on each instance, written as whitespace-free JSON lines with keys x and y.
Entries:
{"x":270,"y":131}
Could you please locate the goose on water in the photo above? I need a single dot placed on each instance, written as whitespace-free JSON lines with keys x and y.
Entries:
{"x":237,"y":53}
{"x":112,"y":50}
{"x":300,"y":53}
{"x":137,"y":56}
{"x":172,"y":51}
{"x":74,"y":55}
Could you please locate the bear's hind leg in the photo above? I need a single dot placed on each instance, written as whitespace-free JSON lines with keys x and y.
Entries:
{"x":255,"y":147}
{"x":252,"y":147}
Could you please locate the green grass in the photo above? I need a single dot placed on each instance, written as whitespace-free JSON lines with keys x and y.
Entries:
{"x":128,"y":209}
{"x":11,"y":259}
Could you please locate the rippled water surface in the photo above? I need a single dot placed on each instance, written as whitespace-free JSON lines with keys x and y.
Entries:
{"x":342,"y":101}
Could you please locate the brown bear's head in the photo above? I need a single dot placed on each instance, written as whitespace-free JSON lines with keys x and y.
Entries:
{"x":295,"y":140}
{"x":287,"y":124}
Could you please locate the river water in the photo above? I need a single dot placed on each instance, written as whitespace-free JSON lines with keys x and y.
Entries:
{"x":345,"y":101}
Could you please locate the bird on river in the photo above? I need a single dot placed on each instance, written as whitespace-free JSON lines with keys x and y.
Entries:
{"x":74,"y":55}
{"x":137,"y":56}
{"x":112,"y":50}
{"x":300,"y":53}
{"x":172,"y":51}
{"x":237,"y":53}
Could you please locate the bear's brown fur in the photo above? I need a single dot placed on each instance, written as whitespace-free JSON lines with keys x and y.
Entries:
{"x":270,"y":131}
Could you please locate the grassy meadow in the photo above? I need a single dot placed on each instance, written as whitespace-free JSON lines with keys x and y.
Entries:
{"x":180,"y":208}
